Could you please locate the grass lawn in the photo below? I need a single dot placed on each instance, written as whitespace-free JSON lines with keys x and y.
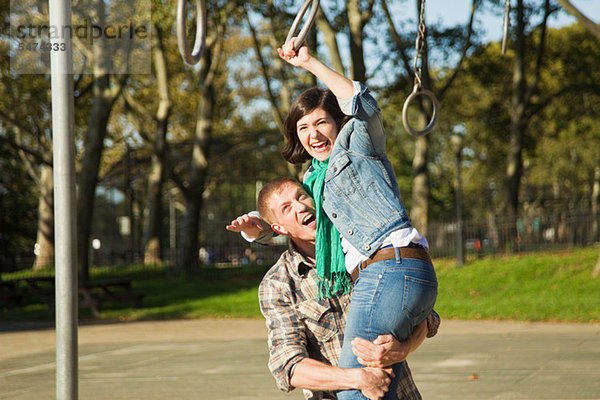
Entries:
{"x":548,"y":286}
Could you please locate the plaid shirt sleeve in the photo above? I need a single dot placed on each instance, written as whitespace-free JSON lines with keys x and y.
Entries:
{"x":287,"y":337}
{"x":433,"y":324}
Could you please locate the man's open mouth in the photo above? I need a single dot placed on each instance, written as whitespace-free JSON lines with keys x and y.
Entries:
{"x":310,"y":218}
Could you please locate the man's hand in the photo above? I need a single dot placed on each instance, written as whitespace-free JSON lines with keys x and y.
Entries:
{"x":387,"y":350}
{"x":245,"y":223}
{"x":382,"y":352}
{"x":374,"y":382}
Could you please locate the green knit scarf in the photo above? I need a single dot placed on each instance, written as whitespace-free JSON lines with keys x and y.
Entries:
{"x":331,"y":270}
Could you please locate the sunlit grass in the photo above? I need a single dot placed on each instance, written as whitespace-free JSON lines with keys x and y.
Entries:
{"x":548,"y":286}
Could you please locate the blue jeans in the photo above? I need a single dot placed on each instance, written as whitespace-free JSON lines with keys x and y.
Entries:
{"x":389,"y":297}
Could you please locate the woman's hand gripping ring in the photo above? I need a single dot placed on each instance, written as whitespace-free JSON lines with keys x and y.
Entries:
{"x":304,"y":31}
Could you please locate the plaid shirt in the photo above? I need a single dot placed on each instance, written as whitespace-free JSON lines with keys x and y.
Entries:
{"x":301,"y":326}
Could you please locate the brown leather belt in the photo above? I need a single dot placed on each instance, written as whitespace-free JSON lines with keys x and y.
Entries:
{"x":388,"y":253}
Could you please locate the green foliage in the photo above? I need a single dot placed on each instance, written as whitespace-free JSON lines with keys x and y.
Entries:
{"x":18,"y":209}
{"x":560,"y":147}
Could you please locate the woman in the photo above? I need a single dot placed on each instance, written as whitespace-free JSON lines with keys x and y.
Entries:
{"x":362,"y":224}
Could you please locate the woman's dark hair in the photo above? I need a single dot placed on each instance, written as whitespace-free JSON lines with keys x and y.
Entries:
{"x":307,"y":102}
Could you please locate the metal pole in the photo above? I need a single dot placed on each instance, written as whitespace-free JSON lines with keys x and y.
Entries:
{"x":61,"y":63}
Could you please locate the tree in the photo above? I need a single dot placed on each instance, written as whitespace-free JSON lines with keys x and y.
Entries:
{"x":209,"y":84}
{"x":403,"y":45}
{"x":595,"y":29}
{"x":18,"y":208}
{"x":105,"y":90}
{"x":25,"y":116}
{"x":559,"y":146}
{"x":145,"y":119}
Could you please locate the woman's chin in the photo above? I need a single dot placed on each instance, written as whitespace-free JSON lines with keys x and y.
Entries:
{"x":321,"y":156}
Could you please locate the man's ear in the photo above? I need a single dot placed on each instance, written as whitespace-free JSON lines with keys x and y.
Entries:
{"x":279,"y":229}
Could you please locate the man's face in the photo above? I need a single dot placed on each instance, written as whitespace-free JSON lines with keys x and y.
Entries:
{"x":294,"y":213}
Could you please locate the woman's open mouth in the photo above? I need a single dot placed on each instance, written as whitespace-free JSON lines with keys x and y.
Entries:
{"x":321,"y":146}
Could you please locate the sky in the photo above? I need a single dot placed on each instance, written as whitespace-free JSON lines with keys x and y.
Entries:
{"x":451,"y":12}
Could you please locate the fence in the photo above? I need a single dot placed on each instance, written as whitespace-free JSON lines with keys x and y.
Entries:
{"x":497,"y":234}
{"x":494,"y":235}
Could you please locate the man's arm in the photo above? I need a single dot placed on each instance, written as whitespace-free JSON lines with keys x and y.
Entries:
{"x":314,"y":375}
{"x":373,"y":382}
{"x":386,"y":350}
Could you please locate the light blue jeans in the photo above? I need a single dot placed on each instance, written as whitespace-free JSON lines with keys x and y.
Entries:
{"x":389,"y":296}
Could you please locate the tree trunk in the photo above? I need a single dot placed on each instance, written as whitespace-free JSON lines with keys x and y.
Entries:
{"x":45,"y":233}
{"x":152,"y":239}
{"x":187,"y":254}
{"x":153,"y":242}
{"x":520,"y":102}
{"x":514,"y":159}
{"x":187,"y":249}
{"x":420,"y":186}
{"x":356,"y":25}
{"x":88,"y":174}
{"x":104,"y":96}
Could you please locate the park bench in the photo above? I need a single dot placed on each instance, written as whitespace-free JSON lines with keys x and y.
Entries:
{"x":92,"y":294}
{"x":21,"y":291}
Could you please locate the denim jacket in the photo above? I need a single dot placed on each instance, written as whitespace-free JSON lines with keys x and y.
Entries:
{"x":361,"y":194}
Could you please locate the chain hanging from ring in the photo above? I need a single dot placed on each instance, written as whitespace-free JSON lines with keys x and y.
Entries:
{"x":418,"y":85}
{"x":419,"y":46}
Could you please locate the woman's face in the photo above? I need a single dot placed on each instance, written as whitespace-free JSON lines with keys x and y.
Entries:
{"x":317,"y":132}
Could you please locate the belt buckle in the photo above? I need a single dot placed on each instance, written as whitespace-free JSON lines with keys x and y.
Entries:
{"x":363,"y":265}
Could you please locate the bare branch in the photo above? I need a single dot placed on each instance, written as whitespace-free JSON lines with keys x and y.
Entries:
{"x":585,"y":21}
{"x":264,"y":71}
{"x":463,"y":54}
{"x":539,"y":53}
{"x":580,"y":87}
{"x":367,"y":13}
{"x":400,"y":43}
{"x":135,"y":106}
{"x":329,"y":37}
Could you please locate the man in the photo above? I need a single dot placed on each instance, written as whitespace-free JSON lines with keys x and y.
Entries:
{"x":305,"y":334}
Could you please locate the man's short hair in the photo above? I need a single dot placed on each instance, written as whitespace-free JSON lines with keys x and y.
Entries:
{"x":265,"y":194}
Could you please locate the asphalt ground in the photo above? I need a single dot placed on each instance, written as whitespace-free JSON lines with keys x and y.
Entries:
{"x":226,"y":359}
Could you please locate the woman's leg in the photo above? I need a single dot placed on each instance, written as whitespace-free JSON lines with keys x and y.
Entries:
{"x":390,"y":296}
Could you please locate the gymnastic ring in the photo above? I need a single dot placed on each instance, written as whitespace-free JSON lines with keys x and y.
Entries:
{"x":184,"y":48}
{"x":436,"y":106}
{"x":304,"y":31}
